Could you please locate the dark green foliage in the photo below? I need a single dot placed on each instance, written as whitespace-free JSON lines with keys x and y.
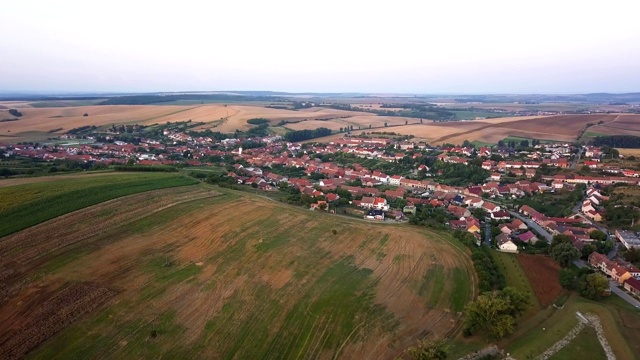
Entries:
{"x":494,"y":313}
{"x":15,"y":112}
{"x":565,"y":253}
{"x":302,"y":135}
{"x":460,"y":174}
{"x":429,"y":350}
{"x":619,"y":141}
{"x":554,"y":204}
{"x":258,"y":121}
{"x":593,"y":286}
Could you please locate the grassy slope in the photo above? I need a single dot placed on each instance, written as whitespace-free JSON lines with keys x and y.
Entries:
{"x":341,"y":293}
{"x":531,"y":340}
{"x":515,"y":276}
{"x":26,"y":205}
{"x":583,"y":346}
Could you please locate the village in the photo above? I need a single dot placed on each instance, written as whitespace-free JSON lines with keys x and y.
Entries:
{"x":386,"y":179}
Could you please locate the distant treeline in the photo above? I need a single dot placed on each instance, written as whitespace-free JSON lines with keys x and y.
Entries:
{"x":158,"y":99}
{"x":622,"y":141}
{"x":302,"y":135}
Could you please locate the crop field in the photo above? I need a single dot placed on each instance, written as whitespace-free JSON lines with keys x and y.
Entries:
{"x":198,"y":272}
{"x":621,"y":125}
{"x":558,"y":128}
{"x":629,"y":152}
{"x":38,"y":123}
{"x":25,"y":205}
{"x":542,"y":272}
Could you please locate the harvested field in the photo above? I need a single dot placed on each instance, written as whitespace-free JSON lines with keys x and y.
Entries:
{"x":40,"y":121}
{"x":20,"y":252}
{"x":542,"y":273}
{"x":237,"y":276}
{"x":629,"y":152}
{"x":560,"y":128}
{"x":39,"y":323}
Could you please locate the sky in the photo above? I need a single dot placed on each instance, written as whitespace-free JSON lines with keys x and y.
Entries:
{"x":417,"y":47}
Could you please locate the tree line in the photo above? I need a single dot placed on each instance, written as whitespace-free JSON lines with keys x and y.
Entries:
{"x":622,"y":141}
{"x":302,"y":135}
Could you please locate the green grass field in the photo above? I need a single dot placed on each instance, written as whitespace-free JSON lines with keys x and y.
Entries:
{"x":583,"y":346}
{"x":26,"y":205}
{"x":621,"y":324}
{"x":515,"y":277}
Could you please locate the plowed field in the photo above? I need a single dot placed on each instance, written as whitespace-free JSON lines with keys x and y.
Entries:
{"x":542,"y":273}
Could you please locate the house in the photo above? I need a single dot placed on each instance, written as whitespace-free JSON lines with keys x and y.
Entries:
{"x":332,"y":197}
{"x":518,"y":224}
{"x":495,"y":176}
{"x":628,"y":239}
{"x":394,"y":194}
{"x":610,"y":268}
{"x":473,"y":224}
{"x":528,"y":237}
{"x":490,"y":207}
{"x":395,"y":180}
{"x":633,"y":286}
{"x":380,"y":204}
{"x":500,"y":215}
{"x":594,"y":215}
{"x":505,"y":244}
{"x":458,"y":211}
{"x":409,"y":209}
{"x":367,"y":202}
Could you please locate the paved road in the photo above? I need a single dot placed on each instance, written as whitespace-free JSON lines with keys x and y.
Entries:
{"x":534,"y":225}
{"x":626,"y":297}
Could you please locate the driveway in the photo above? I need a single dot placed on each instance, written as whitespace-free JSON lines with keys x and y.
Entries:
{"x":534,"y":225}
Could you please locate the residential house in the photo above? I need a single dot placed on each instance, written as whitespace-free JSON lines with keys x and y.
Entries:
{"x":500,"y":215}
{"x":395,"y":180}
{"x":610,"y":268}
{"x":458,"y":211}
{"x":528,"y":237}
{"x":633,"y":286}
{"x":505,"y":244}
{"x":490,"y":207}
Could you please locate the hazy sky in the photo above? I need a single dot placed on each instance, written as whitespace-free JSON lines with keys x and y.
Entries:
{"x":558,"y":46}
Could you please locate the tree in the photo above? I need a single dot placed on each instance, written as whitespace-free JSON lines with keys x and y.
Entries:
{"x":594,"y":286}
{"x":385,"y":124}
{"x":565,"y":253}
{"x":598,"y":235}
{"x":567,"y":278}
{"x":429,"y":350}
{"x":559,"y":239}
{"x":587,"y":249}
{"x":494,"y":312}
{"x":632,"y":255}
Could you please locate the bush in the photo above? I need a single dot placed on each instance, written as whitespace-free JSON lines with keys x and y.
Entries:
{"x":258,"y":121}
